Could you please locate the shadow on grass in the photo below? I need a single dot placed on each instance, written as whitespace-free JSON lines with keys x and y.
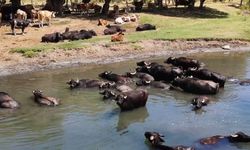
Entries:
{"x":190,"y":13}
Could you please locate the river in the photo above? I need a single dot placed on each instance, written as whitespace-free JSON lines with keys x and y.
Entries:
{"x":85,"y":121}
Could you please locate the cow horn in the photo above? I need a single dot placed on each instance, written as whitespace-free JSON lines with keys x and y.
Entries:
{"x":148,"y":67}
{"x":133,"y":73}
{"x":77,"y":81}
{"x":152,"y":137}
{"x":125,"y":97}
{"x":148,"y":82}
{"x":111,"y":83}
{"x":234,"y":135}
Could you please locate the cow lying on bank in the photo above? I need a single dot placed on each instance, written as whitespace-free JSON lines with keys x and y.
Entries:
{"x":17,"y":23}
{"x":102,"y":22}
{"x":6,"y":101}
{"x":145,"y":27}
{"x":112,"y":29}
{"x":53,"y":37}
{"x":68,"y":35}
{"x":117,"y":38}
{"x":45,"y":15}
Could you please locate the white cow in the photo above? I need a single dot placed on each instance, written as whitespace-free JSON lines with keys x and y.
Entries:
{"x":45,"y":15}
{"x":20,"y":14}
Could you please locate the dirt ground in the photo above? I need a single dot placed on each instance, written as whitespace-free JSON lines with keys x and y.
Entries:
{"x":13,"y":63}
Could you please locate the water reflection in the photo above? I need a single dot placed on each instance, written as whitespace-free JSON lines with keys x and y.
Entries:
{"x":128,"y":118}
{"x":85,"y":121}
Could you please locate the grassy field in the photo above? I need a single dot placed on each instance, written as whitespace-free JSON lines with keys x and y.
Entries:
{"x":217,"y":20}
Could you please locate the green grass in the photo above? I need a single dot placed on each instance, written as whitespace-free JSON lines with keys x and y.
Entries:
{"x":218,"y":20}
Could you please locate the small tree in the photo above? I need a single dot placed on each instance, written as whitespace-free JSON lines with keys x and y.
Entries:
{"x":105,"y":8}
{"x":54,"y":5}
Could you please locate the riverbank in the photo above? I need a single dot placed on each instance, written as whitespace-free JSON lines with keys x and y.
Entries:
{"x":103,"y":53}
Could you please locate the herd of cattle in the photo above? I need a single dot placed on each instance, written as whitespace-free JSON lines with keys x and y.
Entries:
{"x":182,"y":74}
{"x":44,"y":16}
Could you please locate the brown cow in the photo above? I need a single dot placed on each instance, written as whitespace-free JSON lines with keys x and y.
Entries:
{"x":45,"y":15}
{"x":102,"y":22}
{"x":118,"y":37}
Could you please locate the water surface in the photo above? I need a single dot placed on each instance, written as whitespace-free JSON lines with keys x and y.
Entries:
{"x":84,"y":121}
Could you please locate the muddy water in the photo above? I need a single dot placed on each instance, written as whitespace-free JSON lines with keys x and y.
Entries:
{"x":84,"y":121}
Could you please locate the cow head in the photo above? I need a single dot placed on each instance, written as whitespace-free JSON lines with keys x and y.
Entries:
{"x":143,"y":63}
{"x":105,"y":74}
{"x":72,"y":83}
{"x":170,"y":60}
{"x":108,"y":94}
{"x":239,"y":137}
{"x":37,"y":93}
{"x":154,"y":138}
{"x":92,"y":32}
{"x":120,"y":99}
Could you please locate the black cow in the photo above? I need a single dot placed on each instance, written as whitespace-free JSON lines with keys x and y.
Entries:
{"x":234,"y":138}
{"x":200,"y":101}
{"x":154,"y":137}
{"x":160,"y":72}
{"x":17,"y":23}
{"x":6,"y":101}
{"x":108,"y":75}
{"x":184,"y":62}
{"x":87,"y":83}
{"x":140,"y":75}
{"x":67,"y":35}
{"x":155,"y":84}
{"x":132,"y":99}
{"x":82,"y":34}
{"x":44,"y":100}
{"x":197,"y":86}
{"x":53,"y":37}
{"x":206,"y":74}
{"x":112,"y":29}
{"x":145,"y":27}
{"x":156,"y":140}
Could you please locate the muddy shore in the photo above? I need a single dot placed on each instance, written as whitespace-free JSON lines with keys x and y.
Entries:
{"x":104,"y":53}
